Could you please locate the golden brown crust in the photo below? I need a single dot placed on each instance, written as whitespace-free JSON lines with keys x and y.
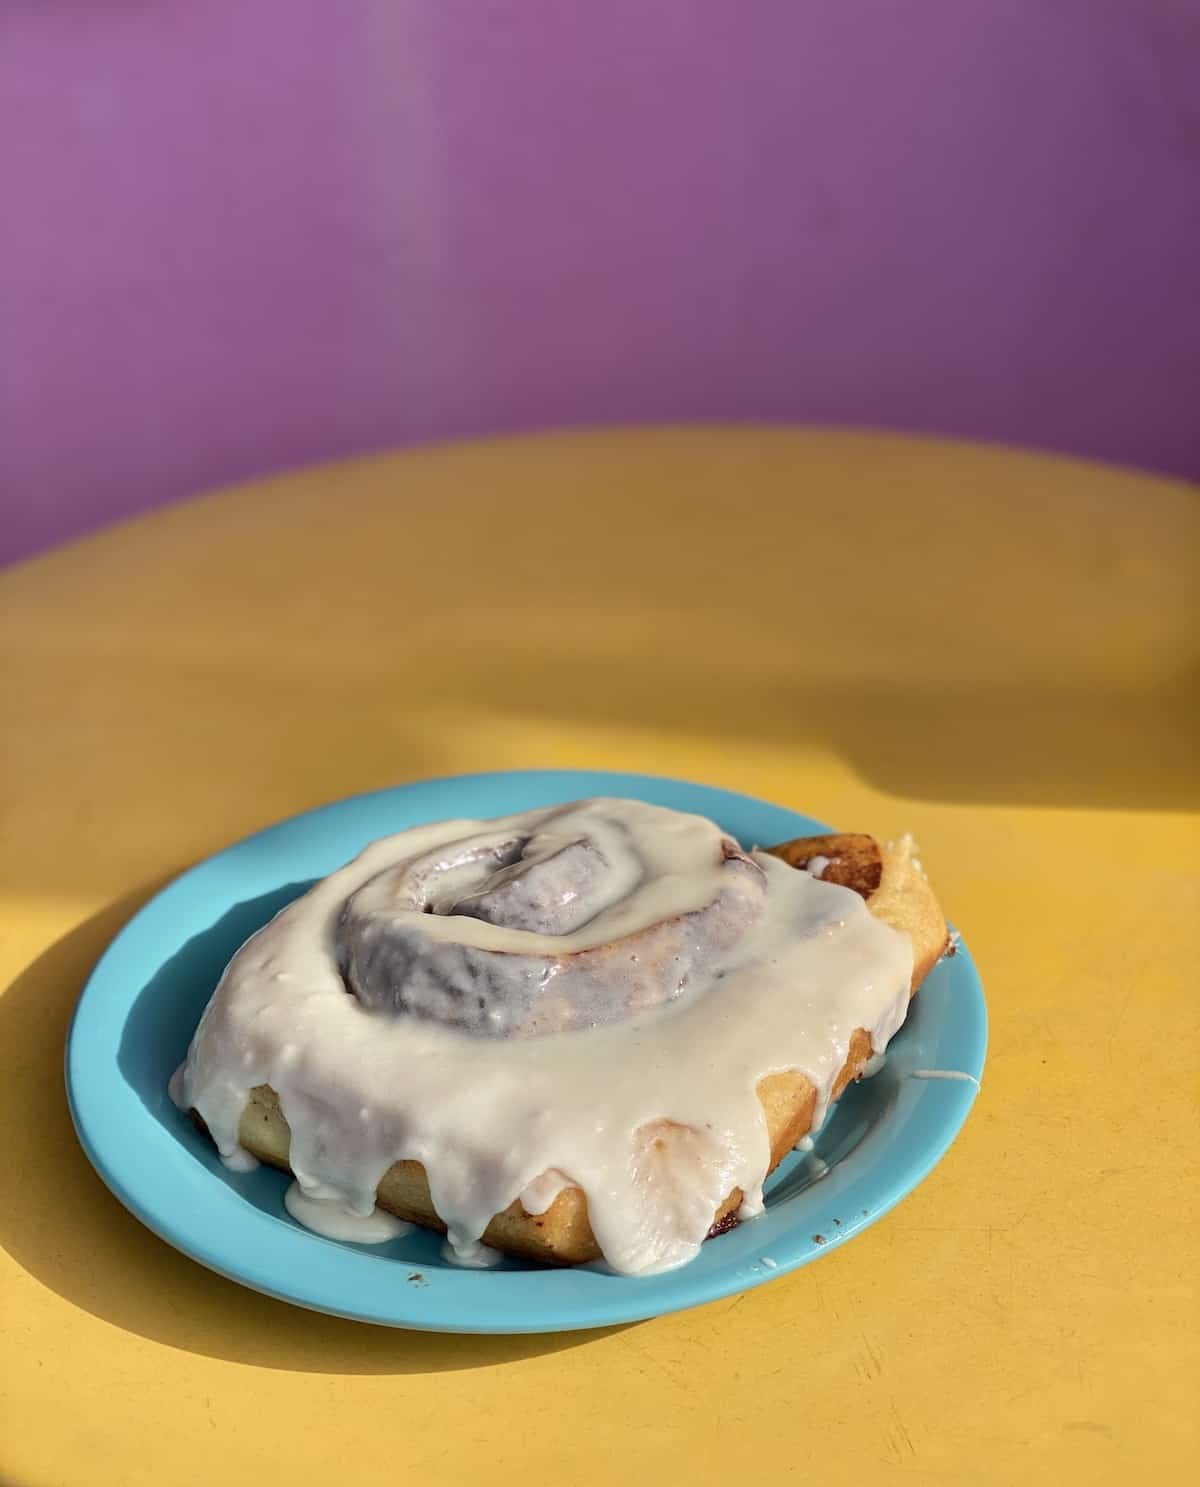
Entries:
{"x":905,"y":900}
{"x":851,"y":861}
{"x":890,"y":880}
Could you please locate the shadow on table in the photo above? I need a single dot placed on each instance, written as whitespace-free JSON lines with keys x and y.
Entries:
{"x":1013,"y":745}
{"x":63,"y":1226}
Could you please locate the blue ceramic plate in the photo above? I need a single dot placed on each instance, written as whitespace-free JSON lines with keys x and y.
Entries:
{"x":142,"y":1003}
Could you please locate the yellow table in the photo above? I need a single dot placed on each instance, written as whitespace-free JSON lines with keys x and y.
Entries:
{"x":989,"y":648}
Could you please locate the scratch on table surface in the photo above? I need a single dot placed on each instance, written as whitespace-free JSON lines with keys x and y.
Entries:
{"x":900,"y":1441}
{"x":1114,"y":1023}
{"x":874,"y":1366}
{"x":683,"y":1381}
{"x":1093,"y":1427}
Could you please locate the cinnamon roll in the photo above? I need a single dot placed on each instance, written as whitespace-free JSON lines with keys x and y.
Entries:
{"x":584,"y":1031}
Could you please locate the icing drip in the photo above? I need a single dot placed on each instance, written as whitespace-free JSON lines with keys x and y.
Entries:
{"x":331,"y":1218}
{"x":471,"y":1256}
{"x":956,"y":1074}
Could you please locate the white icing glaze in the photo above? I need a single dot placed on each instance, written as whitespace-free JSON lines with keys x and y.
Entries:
{"x":239,"y":1160}
{"x":538,"y":1195}
{"x":751,"y":1205}
{"x":656,"y":1117}
{"x":330,"y":1217}
{"x":471,"y":1256}
{"x":816,"y":866}
{"x":944,"y":1074}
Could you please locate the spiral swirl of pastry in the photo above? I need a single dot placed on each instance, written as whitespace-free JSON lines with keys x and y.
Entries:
{"x":562,"y":919}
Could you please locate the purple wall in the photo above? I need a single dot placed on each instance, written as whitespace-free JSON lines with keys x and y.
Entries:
{"x":251,"y":233}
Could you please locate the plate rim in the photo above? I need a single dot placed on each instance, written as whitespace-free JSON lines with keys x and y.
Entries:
{"x":92,"y":1081}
